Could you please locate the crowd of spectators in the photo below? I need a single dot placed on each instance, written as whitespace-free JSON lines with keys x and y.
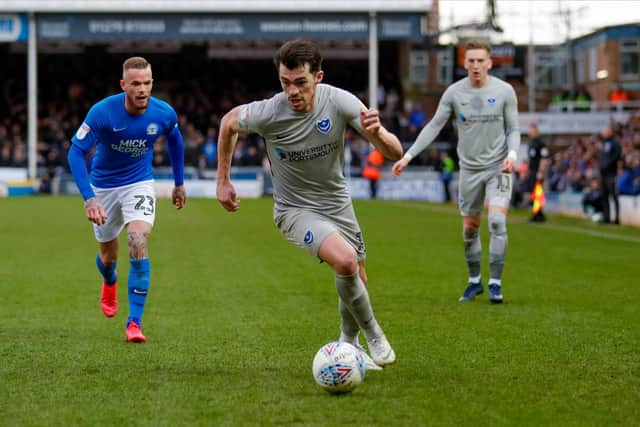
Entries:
{"x":577,"y":168}
{"x":573,"y":168}
{"x":66,"y":91}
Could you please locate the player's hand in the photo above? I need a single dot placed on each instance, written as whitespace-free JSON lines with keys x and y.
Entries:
{"x":95,"y":212}
{"x":508,"y":165}
{"x":227,"y":196}
{"x":370,"y":120}
{"x":399,"y":166}
{"x":179,"y":196}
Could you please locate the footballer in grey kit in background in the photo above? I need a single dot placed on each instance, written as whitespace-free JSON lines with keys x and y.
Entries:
{"x":303,"y":127}
{"x":485,"y":111}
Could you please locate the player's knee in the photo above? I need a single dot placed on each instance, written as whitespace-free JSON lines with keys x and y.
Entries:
{"x":137,"y":242}
{"x":497,"y":223}
{"x":470,"y":234}
{"x":346,"y":265}
{"x":108,"y":259}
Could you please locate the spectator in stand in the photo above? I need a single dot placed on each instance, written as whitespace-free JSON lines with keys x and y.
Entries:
{"x":560,"y":100}
{"x":521,"y":185}
{"x":582,"y":100}
{"x":575,"y":180}
{"x":432,"y":159}
{"x":593,"y":202}
{"x":448,"y":166}
{"x":252,"y":156}
{"x":5,"y":154}
{"x":19,"y":157}
{"x":417,"y":116}
{"x":618,"y":94}
{"x":210,"y":147}
{"x":629,"y":180}
{"x":371,"y":171}
{"x":610,"y":154}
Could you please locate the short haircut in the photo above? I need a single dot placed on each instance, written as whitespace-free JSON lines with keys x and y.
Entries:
{"x":477,"y":44}
{"x":136,"y":63}
{"x":298,"y":52}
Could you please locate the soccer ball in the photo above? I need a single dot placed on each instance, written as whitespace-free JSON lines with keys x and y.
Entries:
{"x":338,"y":367}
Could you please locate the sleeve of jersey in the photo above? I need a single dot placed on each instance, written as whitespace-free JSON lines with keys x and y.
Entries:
{"x":85,"y":136}
{"x":78,"y":166}
{"x":81,"y":144}
{"x":512,"y":129}
{"x":175,"y":146}
{"x":431,"y":131}
{"x":350,"y":106}
{"x":252,"y":116}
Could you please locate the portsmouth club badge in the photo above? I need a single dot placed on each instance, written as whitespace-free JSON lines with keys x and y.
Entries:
{"x":324,"y":125}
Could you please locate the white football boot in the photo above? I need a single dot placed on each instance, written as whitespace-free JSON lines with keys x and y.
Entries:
{"x":369,"y":364}
{"x":381,"y":351}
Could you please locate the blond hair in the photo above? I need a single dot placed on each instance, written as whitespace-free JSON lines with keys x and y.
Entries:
{"x":135,"y":63}
{"x":477,"y":44}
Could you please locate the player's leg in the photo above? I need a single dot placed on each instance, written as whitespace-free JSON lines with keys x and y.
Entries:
{"x":349,"y":329}
{"x":139,"y":277}
{"x":106,"y":261}
{"x":606,"y":206}
{"x":138,"y":207}
{"x":499,"y":196}
{"x":338,"y":242}
{"x":471,"y":202}
{"x":342,"y":258}
{"x":308,"y":230}
{"x":613,"y":192}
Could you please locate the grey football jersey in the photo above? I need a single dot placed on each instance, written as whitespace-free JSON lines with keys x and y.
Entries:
{"x":486,"y":119}
{"x":306,"y":150}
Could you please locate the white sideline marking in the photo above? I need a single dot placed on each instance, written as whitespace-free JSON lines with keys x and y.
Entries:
{"x":548,"y":226}
{"x":594,"y":233}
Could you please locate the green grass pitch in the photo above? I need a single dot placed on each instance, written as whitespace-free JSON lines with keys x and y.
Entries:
{"x":235,"y":315}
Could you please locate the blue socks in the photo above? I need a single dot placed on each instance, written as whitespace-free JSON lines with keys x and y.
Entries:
{"x":138,"y":288}
{"x":108,"y":273}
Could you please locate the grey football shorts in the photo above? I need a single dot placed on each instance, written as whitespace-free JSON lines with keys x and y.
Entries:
{"x":307,"y":229}
{"x":476,"y":187}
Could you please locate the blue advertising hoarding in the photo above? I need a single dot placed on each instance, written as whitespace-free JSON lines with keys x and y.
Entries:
{"x":193,"y":27}
{"x":14,"y":27}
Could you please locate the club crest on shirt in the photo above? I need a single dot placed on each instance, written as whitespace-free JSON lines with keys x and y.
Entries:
{"x":324,"y":125}
{"x":152,"y":129}
{"x":308,"y":237}
{"x":83,"y":131}
{"x":491,"y":102}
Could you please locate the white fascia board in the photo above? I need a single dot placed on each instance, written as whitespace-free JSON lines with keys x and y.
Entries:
{"x":215,"y":6}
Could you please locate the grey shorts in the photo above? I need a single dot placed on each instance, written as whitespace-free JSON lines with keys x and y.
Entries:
{"x":307,"y":229}
{"x":475,"y":187}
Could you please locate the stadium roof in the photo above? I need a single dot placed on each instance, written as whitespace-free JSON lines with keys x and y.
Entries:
{"x":245,"y":6}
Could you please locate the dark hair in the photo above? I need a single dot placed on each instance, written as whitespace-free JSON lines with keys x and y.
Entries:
{"x":297,"y":53}
{"x":477,"y":44}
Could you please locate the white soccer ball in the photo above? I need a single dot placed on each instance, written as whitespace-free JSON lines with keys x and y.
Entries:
{"x":338,"y":367}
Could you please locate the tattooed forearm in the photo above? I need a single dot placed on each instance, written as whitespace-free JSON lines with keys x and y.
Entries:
{"x":137,"y":245}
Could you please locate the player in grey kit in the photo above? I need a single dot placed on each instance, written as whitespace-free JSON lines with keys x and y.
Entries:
{"x":303,"y":127}
{"x":486,"y":117}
